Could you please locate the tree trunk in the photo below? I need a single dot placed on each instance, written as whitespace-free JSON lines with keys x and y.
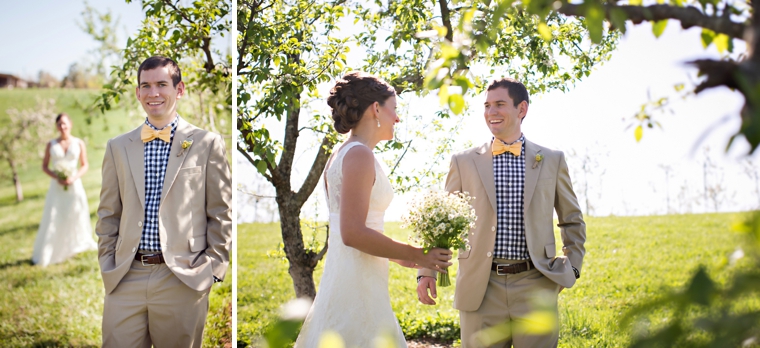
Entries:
{"x":301,"y":265}
{"x":16,"y":181}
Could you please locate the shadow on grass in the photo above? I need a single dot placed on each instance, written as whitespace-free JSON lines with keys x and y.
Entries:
{"x":11,"y":199}
{"x":27,"y":262}
{"x":31,"y":227}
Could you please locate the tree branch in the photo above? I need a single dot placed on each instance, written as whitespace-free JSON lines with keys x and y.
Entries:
{"x":316,"y":171}
{"x":291,"y":135}
{"x":689,"y":16}
{"x":718,"y":72}
{"x":244,"y":45}
{"x":181,"y":13}
{"x":317,"y":257}
{"x":206,"y":47}
{"x":446,"y":19}
{"x":250,"y":159}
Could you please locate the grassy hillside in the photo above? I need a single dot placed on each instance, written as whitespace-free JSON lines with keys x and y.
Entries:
{"x":629,"y":259}
{"x":62,"y":305}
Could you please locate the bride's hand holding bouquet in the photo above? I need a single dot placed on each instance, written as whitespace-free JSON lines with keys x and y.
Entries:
{"x":441,"y":220}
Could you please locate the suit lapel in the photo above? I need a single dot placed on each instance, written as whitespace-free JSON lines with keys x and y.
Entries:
{"x":182,"y":133}
{"x":484,"y":163}
{"x":136,"y":158}
{"x":531,"y":174}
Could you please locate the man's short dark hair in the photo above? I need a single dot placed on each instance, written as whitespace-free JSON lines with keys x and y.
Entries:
{"x":515,"y":88}
{"x":160,"y":62}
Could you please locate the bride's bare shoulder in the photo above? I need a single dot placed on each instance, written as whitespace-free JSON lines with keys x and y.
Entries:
{"x":360,"y":158}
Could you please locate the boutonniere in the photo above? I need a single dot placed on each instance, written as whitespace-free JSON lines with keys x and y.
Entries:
{"x":185,"y":145}
{"x":539,"y":158}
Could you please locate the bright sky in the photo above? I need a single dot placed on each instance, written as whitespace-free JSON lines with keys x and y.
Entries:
{"x":44,"y":35}
{"x":594,"y":115}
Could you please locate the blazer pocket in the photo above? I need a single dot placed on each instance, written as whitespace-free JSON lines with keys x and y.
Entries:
{"x":118,"y":242}
{"x":189,"y":171}
{"x":551,"y":250}
{"x":197,"y":244}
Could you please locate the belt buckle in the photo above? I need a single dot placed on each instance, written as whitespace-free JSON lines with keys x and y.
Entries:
{"x":501,"y":264}
{"x":142,"y":259}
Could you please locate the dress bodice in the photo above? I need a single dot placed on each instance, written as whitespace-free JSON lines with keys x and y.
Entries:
{"x":380,"y":197}
{"x":64,"y":159}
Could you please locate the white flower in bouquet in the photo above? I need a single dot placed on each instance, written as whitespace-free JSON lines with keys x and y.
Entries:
{"x":441,"y":220}
{"x":63,"y":172}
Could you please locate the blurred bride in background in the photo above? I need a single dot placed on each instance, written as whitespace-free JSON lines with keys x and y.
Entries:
{"x":65,"y":228}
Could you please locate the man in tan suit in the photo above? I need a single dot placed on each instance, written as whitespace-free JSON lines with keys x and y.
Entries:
{"x":512,"y":256}
{"x":164,"y":223}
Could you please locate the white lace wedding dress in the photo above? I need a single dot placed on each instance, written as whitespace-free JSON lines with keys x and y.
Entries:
{"x":65,"y":227}
{"x":353,"y":299}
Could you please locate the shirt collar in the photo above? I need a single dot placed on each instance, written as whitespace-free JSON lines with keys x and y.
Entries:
{"x":173,"y":124}
{"x":521,"y":139}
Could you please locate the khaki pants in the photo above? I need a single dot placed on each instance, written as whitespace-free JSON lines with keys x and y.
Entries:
{"x":508,"y":301}
{"x":151,"y":306}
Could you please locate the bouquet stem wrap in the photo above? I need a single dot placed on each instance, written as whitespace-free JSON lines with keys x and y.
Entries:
{"x":441,"y":220}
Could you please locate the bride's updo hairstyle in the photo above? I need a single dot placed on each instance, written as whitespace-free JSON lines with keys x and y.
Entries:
{"x":352,"y":95}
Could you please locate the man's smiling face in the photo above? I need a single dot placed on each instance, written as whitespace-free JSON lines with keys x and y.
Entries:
{"x":157,"y":95}
{"x":502,"y":116}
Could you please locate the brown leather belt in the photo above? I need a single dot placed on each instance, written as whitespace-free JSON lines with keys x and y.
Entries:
{"x":150,"y":259}
{"x":513,"y":268}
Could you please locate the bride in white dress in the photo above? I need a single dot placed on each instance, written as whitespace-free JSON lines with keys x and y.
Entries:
{"x":65,"y":228}
{"x":352,"y":300}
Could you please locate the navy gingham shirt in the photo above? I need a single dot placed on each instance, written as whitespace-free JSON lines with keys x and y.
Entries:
{"x":156,"y":159}
{"x":509,"y":177}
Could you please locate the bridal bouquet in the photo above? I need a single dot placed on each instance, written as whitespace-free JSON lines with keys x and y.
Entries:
{"x":63,"y":173}
{"x":441,"y":220}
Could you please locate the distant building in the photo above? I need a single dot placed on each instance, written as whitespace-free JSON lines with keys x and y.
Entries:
{"x":10,"y":82}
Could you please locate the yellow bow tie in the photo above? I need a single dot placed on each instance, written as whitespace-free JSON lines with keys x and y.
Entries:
{"x":147,"y":134}
{"x":498,"y":147}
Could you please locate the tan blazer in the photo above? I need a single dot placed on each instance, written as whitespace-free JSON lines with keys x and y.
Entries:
{"x":547,"y":186}
{"x":194,"y":221}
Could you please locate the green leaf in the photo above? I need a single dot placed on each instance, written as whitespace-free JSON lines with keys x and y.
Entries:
{"x":443,"y":94}
{"x":638,"y":133}
{"x":658,"y":27}
{"x":456,"y":103}
{"x":721,"y":42}
{"x":618,"y":18}
{"x":448,"y":51}
{"x":262,"y":167}
{"x":707,"y":37}
{"x":545,"y":31}
{"x":595,"y":21}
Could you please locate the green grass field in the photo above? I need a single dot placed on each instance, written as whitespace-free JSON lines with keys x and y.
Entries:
{"x":628,"y":260}
{"x":62,"y":305}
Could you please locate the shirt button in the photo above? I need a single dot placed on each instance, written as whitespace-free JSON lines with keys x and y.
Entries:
{"x":493,"y":228}
{"x":133,"y":249}
{"x":509,"y":205}
{"x":139,"y":224}
{"x":489,"y":254}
